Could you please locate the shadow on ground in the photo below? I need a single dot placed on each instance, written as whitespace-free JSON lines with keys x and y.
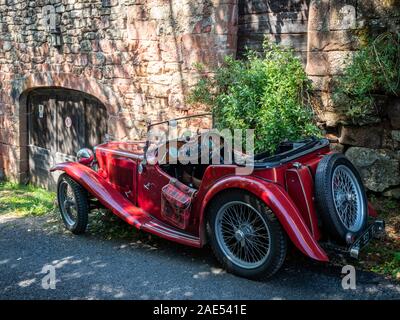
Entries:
{"x":91,"y":267}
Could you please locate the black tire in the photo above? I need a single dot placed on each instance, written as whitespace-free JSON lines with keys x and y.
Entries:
{"x":325,"y":199}
{"x":278,"y":242}
{"x":78,"y":224}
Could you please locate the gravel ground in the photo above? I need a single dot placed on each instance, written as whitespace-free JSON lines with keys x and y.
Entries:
{"x":91,"y":268}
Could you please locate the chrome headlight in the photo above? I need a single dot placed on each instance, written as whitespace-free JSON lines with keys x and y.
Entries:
{"x":85,"y":156}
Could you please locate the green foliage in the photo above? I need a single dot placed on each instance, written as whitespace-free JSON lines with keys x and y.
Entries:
{"x":25,"y":200}
{"x":383,"y":256}
{"x":268,"y":93}
{"x":390,"y":265}
{"x":374,"y":69}
{"x":107,"y":225}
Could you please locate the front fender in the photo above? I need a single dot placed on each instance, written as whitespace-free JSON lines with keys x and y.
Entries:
{"x":104,"y":192}
{"x":276,"y":198}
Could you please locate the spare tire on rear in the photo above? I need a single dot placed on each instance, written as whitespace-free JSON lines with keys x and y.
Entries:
{"x":340,"y":196}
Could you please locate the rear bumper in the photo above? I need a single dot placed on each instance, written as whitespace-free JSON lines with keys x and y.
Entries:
{"x":374,"y":229}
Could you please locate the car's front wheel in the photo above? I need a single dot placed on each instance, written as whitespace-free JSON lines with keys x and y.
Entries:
{"x":73,"y":204}
{"x":245,"y":235}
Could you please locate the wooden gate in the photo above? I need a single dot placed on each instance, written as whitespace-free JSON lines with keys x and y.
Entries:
{"x":60,"y":122}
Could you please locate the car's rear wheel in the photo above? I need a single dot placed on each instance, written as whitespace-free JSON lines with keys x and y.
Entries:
{"x":245,"y":235}
{"x":73,"y":204}
{"x":341,"y":197}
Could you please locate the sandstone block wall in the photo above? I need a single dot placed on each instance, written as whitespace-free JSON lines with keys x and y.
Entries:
{"x":281,"y":21}
{"x":372,"y":143}
{"x":135,"y":56}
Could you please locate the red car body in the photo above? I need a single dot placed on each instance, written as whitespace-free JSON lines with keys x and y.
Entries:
{"x":131,"y":189}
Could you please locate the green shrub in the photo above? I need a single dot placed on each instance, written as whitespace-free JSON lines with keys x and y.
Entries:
{"x":375,"y":69}
{"x":268,"y":93}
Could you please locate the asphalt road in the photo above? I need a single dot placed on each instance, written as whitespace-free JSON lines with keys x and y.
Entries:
{"x":91,"y":268}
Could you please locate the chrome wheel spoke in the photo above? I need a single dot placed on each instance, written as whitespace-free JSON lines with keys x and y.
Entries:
{"x":347,"y":197}
{"x":68,"y":204}
{"x":242,"y":234}
{"x":257,"y":248}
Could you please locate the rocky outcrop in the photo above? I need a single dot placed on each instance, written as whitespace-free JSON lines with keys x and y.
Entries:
{"x":336,"y":29}
{"x":392,"y":193}
{"x":362,"y":136}
{"x":394,"y":113}
{"x":379,"y":169}
{"x":375,"y":150}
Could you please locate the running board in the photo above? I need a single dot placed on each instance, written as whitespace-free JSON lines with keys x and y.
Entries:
{"x":163,"y":230}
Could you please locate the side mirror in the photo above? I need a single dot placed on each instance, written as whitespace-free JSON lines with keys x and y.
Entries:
{"x":85,"y":156}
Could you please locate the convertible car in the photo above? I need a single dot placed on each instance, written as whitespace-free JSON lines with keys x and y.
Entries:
{"x":303,"y":194}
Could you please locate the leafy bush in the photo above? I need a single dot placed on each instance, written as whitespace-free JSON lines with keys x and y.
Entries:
{"x":268,"y":93}
{"x":375,"y":69}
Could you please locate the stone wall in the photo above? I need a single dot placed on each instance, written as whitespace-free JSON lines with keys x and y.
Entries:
{"x":281,"y":21}
{"x":326,"y":34}
{"x":135,"y":56}
{"x":336,"y":30}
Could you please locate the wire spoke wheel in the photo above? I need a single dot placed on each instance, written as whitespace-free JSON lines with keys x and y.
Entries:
{"x":68,"y":203}
{"x":340,"y":197}
{"x":347,"y":196}
{"x":243,"y":234}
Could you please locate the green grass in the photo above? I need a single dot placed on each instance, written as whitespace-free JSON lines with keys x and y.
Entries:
{"x":25,"y":200}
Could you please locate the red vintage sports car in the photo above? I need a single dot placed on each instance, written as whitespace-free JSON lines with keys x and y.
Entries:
{"x":304,"y":194}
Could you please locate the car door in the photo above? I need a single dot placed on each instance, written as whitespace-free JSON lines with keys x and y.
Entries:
{"x":151,"y":179}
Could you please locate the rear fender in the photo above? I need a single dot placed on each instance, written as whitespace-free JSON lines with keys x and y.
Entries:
{"x":104,"y":192}
{"x":276,"y":198}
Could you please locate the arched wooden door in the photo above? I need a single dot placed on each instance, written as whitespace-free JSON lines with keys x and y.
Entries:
{"x":60,"y":122}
